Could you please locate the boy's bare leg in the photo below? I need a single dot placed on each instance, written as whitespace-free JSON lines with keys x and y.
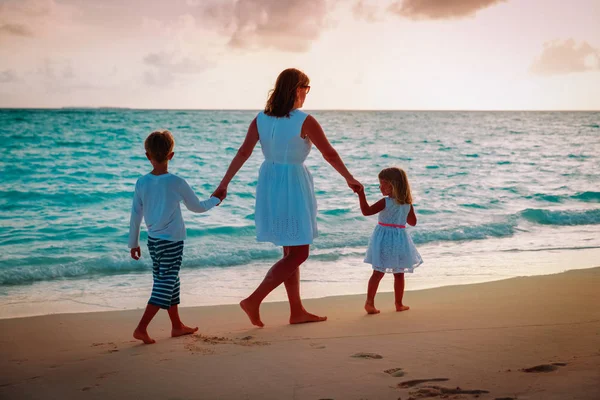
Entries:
{"x":298,"y":315}
{"x":278,"y":273}
{"x":177,"y":327}
{"x":372,"y":291}
{"x":141,"y":332}
{"x":399,"y":292}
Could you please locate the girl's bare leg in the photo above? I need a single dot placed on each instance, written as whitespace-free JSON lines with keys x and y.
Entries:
{"x":399,"y":292}
{"x":372,"y":291}
{"x":278,"y":273}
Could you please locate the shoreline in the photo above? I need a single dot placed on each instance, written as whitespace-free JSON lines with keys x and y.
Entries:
{"x":202,"y":287}
{"x":477,"y":337}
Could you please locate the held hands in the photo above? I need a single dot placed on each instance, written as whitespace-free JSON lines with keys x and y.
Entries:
{"x":355,"y":185}
{"x":220,"y":193}
{"x":136,"y":253}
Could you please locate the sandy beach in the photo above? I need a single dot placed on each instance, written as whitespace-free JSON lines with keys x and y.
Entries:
{"x":458,"y":342}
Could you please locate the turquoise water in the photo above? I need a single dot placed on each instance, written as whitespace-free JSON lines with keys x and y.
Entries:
{"x":509,"y":181}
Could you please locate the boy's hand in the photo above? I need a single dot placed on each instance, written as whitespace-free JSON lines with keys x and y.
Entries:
{"x":136,"y":253}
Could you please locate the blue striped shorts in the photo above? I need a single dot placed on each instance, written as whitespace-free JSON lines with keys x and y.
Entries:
{"x":166,"y":263}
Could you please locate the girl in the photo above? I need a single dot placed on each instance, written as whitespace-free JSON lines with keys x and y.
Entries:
{"x":390,"y":248}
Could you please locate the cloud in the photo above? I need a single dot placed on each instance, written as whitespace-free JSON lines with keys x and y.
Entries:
{"x":369,"y":11}
{"x":28,"y":18}
{"x":9,"y":76}
{"x":166,"y":67}
{"x":439,"y":9}
{"x":15,"y":29}
{"x":290,"y":25}
{"x":566,"y":56}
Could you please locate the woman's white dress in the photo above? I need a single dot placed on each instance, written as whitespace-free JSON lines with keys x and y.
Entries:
{"x":286,"y":207}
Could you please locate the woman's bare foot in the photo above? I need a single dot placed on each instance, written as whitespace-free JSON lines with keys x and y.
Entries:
{"x":143,"y":336}
{"x":252,"y":311}
{"x":183,"y":330}
{"x":306,"y":317}
{"x":400,"y":307}
{"x":370,"y":309}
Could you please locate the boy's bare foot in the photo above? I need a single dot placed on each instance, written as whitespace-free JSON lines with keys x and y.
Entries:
{"x":252,"y":311}
{"x":143,"y":336}
{"x":370,"y":309}
{"x":400,"y":307}
{"x":306,"y":317}
{"x":184,"y":330}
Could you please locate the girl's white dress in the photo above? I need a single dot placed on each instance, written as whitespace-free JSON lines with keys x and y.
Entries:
{"x":286,"y":207}
{"x":391,"y":249}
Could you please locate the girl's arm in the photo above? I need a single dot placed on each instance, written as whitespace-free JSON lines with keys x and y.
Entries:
{"x":412,"y":217}
{"x":366,"y":208}
{"x":243,"y":154}
{"x":314,"y":132}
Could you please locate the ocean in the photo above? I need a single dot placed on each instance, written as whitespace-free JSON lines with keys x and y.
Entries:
{"x":497,"y":194}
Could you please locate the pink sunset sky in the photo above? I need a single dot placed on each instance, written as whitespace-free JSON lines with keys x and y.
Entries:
{"x":359,"y":54}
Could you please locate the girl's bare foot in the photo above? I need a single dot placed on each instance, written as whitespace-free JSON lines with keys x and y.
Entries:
{"x":252,"y":311}
{"x":183,"y":330}
{"x":143,"y":336}
{"x":370,"y":309}
{"x":400,"y":307}
{"x":305,"y":317}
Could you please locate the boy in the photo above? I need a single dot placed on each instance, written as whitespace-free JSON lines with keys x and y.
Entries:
{"x":156,"y":199}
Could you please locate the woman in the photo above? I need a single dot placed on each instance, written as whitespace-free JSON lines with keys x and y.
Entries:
{"x":286,"y":208}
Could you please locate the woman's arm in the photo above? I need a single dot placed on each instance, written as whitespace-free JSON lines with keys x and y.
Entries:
{"x":243,"y":154}
{"x":412,"y":217}
{"x":365,"y":208}
{"x":314,"y":132}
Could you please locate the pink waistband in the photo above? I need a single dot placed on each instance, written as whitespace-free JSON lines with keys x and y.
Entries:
{"x":393,"y":225}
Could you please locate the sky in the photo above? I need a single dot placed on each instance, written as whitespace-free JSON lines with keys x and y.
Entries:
{"x":358,"y":54}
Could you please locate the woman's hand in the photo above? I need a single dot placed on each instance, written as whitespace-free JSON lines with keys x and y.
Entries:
{"x":355,"y":185}
{"x":220,"y":193}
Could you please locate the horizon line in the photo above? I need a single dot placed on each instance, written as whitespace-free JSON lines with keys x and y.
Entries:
{"x":308,"y":109}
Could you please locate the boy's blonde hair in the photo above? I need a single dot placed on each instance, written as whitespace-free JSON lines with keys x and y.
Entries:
{"x":159,"y":144}
{"x":399,"y":181}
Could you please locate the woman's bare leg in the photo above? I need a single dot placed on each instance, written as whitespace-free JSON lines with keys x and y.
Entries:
{"x":298,"y":315}
{"x":278,"y":273}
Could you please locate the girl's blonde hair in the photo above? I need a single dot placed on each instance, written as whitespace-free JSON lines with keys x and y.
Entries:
{"x":399,"y":181}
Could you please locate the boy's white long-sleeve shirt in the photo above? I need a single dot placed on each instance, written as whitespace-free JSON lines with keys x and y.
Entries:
{"x":156,"y":200}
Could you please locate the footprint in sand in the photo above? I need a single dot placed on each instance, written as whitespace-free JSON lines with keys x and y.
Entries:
{"x":371,"y":356}
{"x":415,"y":382}
{"x":110,"y":347}
{"x":440,"y":391}
{"x":395,"y":372}
{"x":197,"y":341}
{"x":105,"y":374}
{"x":544,"y":367}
